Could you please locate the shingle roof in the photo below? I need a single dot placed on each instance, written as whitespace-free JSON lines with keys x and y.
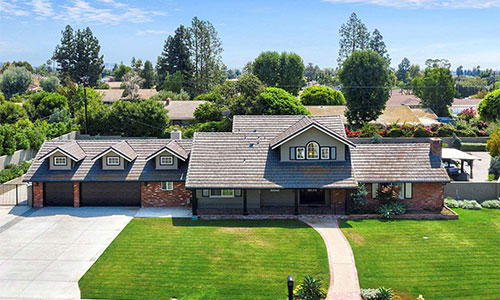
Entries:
{"x":112,"y":95}
{"x":91,"y":170}
{"x":272,"y":126}
{"x":182,"y":110}
{"x":396,"y":163}
{"x":71,"y":149}
{"x":245,"y":160}
{"x":121,"y":148}
{"x":172,"y":147}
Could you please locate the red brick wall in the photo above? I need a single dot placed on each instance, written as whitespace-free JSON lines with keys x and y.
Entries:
{"x":337,"y":200}
{"x":76,"y":194}
{"x":37,"y":194}
{"x":153,"y":196}
{"x":426,"y":195}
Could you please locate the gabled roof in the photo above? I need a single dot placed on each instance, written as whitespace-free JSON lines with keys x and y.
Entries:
{"x":174,"y":148}
{"x":70,"y":149}
{"x":182,"y":110}
{"x":122,"y":148}
{"x":302,"y":125}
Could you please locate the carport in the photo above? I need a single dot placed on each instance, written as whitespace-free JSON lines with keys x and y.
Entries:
{"x":450,"y":155}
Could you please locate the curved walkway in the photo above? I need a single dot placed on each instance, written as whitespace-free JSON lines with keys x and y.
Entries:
{"x":343,"y":275}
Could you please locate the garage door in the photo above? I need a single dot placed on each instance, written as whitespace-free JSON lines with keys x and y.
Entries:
{"x":110,"y":194}
{"x":58,"y":194}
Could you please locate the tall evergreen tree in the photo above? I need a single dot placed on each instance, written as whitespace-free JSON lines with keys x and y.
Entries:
{"x":353,"y":36}
{"x":403,"y":68}
{"x":148,"y":74}
{"x":377,"y":44}
{"x":283,"y":70}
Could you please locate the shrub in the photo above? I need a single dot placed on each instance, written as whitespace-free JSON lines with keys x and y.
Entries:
{"x":321,"y":95}
{"x":376,"y":139}
{"x":207,"y":112}
{"x":445,"y":131}
{"x":309,"y":289}
{"x":422,"y":132}
{"x":395,"y":132}
{"x":495,"y":166}
{"x":493,"y":144}
{"x":452,"y":203}
{"x":473,"y":147}
{"x":210,"y":96}
{"x":386,"y":211}
{"x":470,"y":204}
{"x":399,"y":208}
{"x":381,"y":293}
{"x":467,"y":114}
{"x":489,"y":107}
{"x":359,"y":198}
{"x":491,"y":204}
{"x":13,"y":171}
{"x":456,"y":142}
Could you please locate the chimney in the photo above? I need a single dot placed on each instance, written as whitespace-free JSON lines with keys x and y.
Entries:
{"x":436,"y":148}
{"x":167,"y":102}
{"x":175,"y":134}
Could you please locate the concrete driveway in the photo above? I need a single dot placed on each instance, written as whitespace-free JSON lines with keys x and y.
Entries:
{"x":44,"y":252}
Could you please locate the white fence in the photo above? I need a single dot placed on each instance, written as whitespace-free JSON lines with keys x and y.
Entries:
{"x":15,"y":194}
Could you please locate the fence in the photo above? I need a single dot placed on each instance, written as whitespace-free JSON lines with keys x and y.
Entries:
{"x":472,"y":190}
{"x":446,"y":140}
{"x":15,"y":194}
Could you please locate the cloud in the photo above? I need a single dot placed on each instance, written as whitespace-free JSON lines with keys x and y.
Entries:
{"x":150,"y":32}
{"x":10,"y":9}
{"x":43,"y":8}
{"x":426,"y":4}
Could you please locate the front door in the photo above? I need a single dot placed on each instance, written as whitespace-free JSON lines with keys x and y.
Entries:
{"x":312,"y":196}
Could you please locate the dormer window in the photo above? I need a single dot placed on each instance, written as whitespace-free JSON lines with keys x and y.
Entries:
{"x":60,"y":161}
{"x":312,"y":150}
{"x":166,"y":160}
{"x":113,"y":161}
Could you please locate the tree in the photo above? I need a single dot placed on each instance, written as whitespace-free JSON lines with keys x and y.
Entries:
{"x":365,"y":84}
{"x":11,"y":112}
{"x":276,"y":101}
{"x":15,"y":80}
{"x":353,"y":37}
{"x":132,"y":83}
{"x":164,"y":95}
{"x":493,"y":143}
{"x":50,"y":84}
{"x":121,"y":71}
{"x":206,"y":49}
{"x":136,"y":64}
{"x":440,"y":63}
{"x":403,"y":69}
{"x":176,"y":56}
{"x":248,"y":68}
{"x":78,"y":56}
{"x":311,"y":72}
{"x":207,"y":112}
{"x":41,"y":105}
{"x":24,"y":64}
{"x":460,"y":70}
{"x":284,"y":71}
{"x":173,"y":82}
{"x":414,"y":71}
{"x":321,"y":95}
{"x":489,"y":107}
{"x":242,"y":97}
{"x":377,"y":44}
{"x":436,"y":89}
{"x":148,"y":74}
{"x":211,"y":96}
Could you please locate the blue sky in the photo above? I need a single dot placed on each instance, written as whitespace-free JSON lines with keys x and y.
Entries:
{"x":466,"y":32}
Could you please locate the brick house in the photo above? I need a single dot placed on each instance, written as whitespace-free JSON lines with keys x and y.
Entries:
{"x":267,"y":164}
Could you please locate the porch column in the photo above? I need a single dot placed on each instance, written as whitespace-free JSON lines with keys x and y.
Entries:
{"x":194,"y":205}
{"x":296,"y":202}
{"x":471,"y":164}
{"x":245,"y":203}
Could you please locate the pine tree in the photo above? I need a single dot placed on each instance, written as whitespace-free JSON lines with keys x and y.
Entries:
{"x":353,"y":36}
{"x":377,"y":44}
{"x":148,"y":75}
{"x":64,"y":54}
{"x":403,"y":68}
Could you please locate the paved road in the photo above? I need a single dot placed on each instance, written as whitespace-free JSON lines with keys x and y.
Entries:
{"x":44,"y":254}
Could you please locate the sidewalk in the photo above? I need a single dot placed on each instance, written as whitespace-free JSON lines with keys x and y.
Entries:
{"x":344,"y":283}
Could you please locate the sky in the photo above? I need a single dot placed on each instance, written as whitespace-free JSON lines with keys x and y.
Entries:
{"x":465,"y":32}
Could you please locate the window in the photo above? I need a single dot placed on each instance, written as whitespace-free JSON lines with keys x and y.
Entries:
{"x":222,"y":193}
{"x":400,"y":188}
{"x":237,"y":193}
{"x":325,"y":153}
{"x":408,"y":190}
{"x":333,"y":153}
{"x":374,"y":190}
{"x":292,"y":153}
{"x":312,"y":150}
{"x":113,"y":161}
{"x":60,"y":160}
{"x":205,"y":193}
{"x":405,"y":189}
{"x":166,"y":160}
{"x":301,"y":153}
{"x":167,"y":185}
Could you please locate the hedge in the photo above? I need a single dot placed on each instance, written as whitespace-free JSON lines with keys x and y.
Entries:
{"x":473,"y":147}
{"x":13,"y":171}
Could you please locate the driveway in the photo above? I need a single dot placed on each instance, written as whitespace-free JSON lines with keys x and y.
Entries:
{"x":44,"y":252}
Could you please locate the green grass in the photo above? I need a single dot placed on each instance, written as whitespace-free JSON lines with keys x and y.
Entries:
{"x":155,"y":258}
{"x":460,"y":259}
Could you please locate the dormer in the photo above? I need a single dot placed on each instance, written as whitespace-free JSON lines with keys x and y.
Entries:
{"x":309,"y":140}
{"x":116,"y":157}
{"x":65,"y":156}
{"x":167,"y":157}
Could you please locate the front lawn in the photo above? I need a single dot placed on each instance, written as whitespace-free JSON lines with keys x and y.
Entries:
{"x":456,"y":259}
{"x":157,"y":258}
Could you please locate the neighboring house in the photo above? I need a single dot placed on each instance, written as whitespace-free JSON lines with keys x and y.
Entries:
{"x":391,"y":114}
{"x":114,"y":84}
{"x":267,"y":164}
{"x":398,"y":99}
{"x":181,"y":112}
{"x":112,"y":95}
{"x":461,"y":104}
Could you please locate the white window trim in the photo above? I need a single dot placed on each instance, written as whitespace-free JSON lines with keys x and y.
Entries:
{"x":169,"y":157}
{"x":221,"y":194}
{"x":112,"y":164}
{"x":307,"y":151}
{"x":297,"y":153}
{"x":169,"y":185}
{"x":60,"y":164}
{"x":328,"y":152}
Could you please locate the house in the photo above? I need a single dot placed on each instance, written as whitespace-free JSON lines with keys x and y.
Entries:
{"x":114,"y":84}
{"x":182,"y":112}
{"x":267,"y":164}
{"x":112,"y":95}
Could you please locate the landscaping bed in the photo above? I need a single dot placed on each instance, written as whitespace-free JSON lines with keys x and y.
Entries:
{"x":455,"y":259}
{"x":159,"y":258}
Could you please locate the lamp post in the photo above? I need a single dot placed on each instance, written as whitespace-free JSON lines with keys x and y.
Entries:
{"x":85,"y":81}
{"x":290,"y":287}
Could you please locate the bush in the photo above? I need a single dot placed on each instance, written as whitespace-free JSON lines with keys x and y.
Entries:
{"x":452,"y":203}
{"x":493,"y":144}
{"x":13,"y":171}
{"x":207,"y":112}
{"x":376,"y":139}
{"x":381,"y":293}
{"x":471,"y":204}
{"x":50,"y":84}
{"x":456,"y":142}
{"x":489,"y":107}
{"x":473,"y":147}
{"x":495,"y":166}
{"x":359,"y":198}
{"x":445,"y":131}
{"x":386,"y":211}
{"x":491,"y":204}
{"x":210,"y":96}
{"x":422,"y":132}
{"x":309,"y":289}
{"x":321,"y":95}
{"x":395,"y":132}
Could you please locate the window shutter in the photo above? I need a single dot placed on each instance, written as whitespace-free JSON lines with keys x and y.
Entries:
{"x":292,"y":153}
{"x":408,"y":190}
{"x":374,"y":190}
{"x":333,"y":153}
{"x":205,"y":193}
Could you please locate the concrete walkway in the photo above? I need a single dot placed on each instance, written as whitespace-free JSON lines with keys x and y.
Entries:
{"x":344,"y":283}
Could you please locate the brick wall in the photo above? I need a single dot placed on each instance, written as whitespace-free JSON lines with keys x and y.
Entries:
{"x":76,"y":194}
{"x":426,"y":195}
{"x":337,"y":200}
{"x":37,"y":194}
{"x":153,"y":196}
